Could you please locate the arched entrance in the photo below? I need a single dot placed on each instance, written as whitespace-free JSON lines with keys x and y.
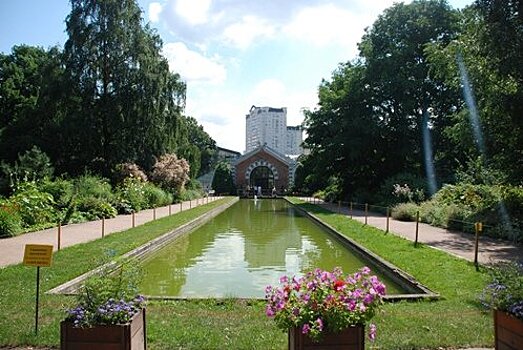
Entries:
{"x":262,"y":176}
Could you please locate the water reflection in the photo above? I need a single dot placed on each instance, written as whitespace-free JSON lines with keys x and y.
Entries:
{"x":242,"y":250}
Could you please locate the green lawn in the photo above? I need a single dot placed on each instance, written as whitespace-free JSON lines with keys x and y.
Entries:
{"x":454,"y":321}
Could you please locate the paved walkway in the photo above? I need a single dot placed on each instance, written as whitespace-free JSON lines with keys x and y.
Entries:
{"x":454,"y":242}
{"x":12,"y":249}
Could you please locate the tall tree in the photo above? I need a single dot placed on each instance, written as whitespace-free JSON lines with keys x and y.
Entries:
{"x":372,"y":114}
{"x":407,"y":99}
{"x":490,"y":46}
{"x":129,"y":105}
{"x":30,"y":90}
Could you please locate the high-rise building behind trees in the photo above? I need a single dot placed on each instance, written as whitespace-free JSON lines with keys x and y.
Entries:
{"x":268,"y":126}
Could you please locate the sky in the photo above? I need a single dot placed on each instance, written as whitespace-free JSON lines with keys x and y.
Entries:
{"x":232,"y":53}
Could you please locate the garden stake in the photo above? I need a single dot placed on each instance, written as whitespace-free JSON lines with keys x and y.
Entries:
{"x":103,"y":227}
{"x":417,"y":228}
{"x":351,"y":210}
{"x":170,"y":210}
{"x":366,"y":212}
{"x":478,"y":226}
{"x":154,"y":213}
{"x":339,"y":207}
{"x":388,"y":218}
{"x":181,"y":206}
{"x":190,"y":203}
{"x":59,"y":234}
{"x":132,"y":217}
{"x":37,"y":298}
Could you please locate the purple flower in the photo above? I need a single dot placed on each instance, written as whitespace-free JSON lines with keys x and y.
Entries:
{"x":372,"y":332}
{"x":306,"y":328}
{"x":369,"y":298}
{"x":269,"y":311}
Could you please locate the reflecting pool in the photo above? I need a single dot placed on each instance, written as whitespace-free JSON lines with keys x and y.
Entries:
{"x":242,"y":250}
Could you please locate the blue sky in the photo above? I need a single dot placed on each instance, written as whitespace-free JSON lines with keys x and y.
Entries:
{"x":232,"y":53}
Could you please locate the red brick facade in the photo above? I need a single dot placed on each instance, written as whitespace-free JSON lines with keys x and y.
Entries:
{"x":263,"y":157}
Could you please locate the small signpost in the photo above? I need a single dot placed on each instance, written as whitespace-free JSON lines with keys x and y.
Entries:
{"x":39,"y":255}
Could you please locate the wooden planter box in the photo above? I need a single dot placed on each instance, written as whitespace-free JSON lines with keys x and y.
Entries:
{"x":508,"y":331}
{"x":115,"y":337}
{"x":352,"y":338}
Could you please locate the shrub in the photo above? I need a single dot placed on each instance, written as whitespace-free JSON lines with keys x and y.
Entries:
{"x":62,"y":191}
{"x":34,"y":206}
{"x":31,"y":165}
{"x":442,"y":215}
{"x":155,"y":196}
{"x":124,"y":170}
{"x":405,"y":211}
{"x":402,"y":187}
{"x":10,"y":224}
{"x":93,"y":186}
{"x":95,"y":208}
{"x":94,"y":197}
{"x":498,"y":207}
{"x":130,"y":196}
{"x":171,"y":173}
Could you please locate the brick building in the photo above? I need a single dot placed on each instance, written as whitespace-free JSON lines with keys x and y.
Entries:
{"x":266,"y":168}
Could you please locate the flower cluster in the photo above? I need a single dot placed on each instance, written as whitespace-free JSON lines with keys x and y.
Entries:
{"x":325,"y":301}
{"x":108,"y":298}
{"x":505,"y":289}
{"x":111,"y":312}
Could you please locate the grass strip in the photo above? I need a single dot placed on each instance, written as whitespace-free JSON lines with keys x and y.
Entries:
{"x":455,"y":321}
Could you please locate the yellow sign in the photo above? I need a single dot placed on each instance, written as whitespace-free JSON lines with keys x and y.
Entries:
{"x":38,"y":254}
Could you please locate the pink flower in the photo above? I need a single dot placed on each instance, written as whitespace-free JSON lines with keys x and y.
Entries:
{"x":319,"y":323}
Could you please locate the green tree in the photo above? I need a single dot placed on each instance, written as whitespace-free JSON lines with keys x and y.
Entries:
{"x":489,"y":47}
{"x":408,"y":100}
{"x":30,"y":79}
{"x":222,"y":181}
{"x":374,"y":112}
{"x":129,"y":105}
{"x":198,"y":141}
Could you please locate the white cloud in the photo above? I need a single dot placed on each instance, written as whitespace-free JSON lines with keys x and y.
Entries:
{"x":193,"y":66}
{"x":155,"y":9}
{"x":325,"y":25}
{"x":193,"y":11}
{"x":268,"y":92}
{"x":243,"y":33}
{"x":223,"y":120}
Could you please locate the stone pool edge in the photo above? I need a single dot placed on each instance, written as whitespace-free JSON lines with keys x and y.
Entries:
{"x":419,"y":291}
{"x":71,"y":287}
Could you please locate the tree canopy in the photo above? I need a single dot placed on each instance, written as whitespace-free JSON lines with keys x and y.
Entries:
{"x":398,"y":111}
{"x":107,"y":98}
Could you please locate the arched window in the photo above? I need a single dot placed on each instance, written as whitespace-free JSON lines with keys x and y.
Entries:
{"x":262,"y":176}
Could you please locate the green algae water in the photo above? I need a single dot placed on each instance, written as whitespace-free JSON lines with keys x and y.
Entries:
{"x":244,"y":249}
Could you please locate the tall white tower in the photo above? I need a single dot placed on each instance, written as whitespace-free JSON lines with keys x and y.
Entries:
{"x":266,"y":125}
